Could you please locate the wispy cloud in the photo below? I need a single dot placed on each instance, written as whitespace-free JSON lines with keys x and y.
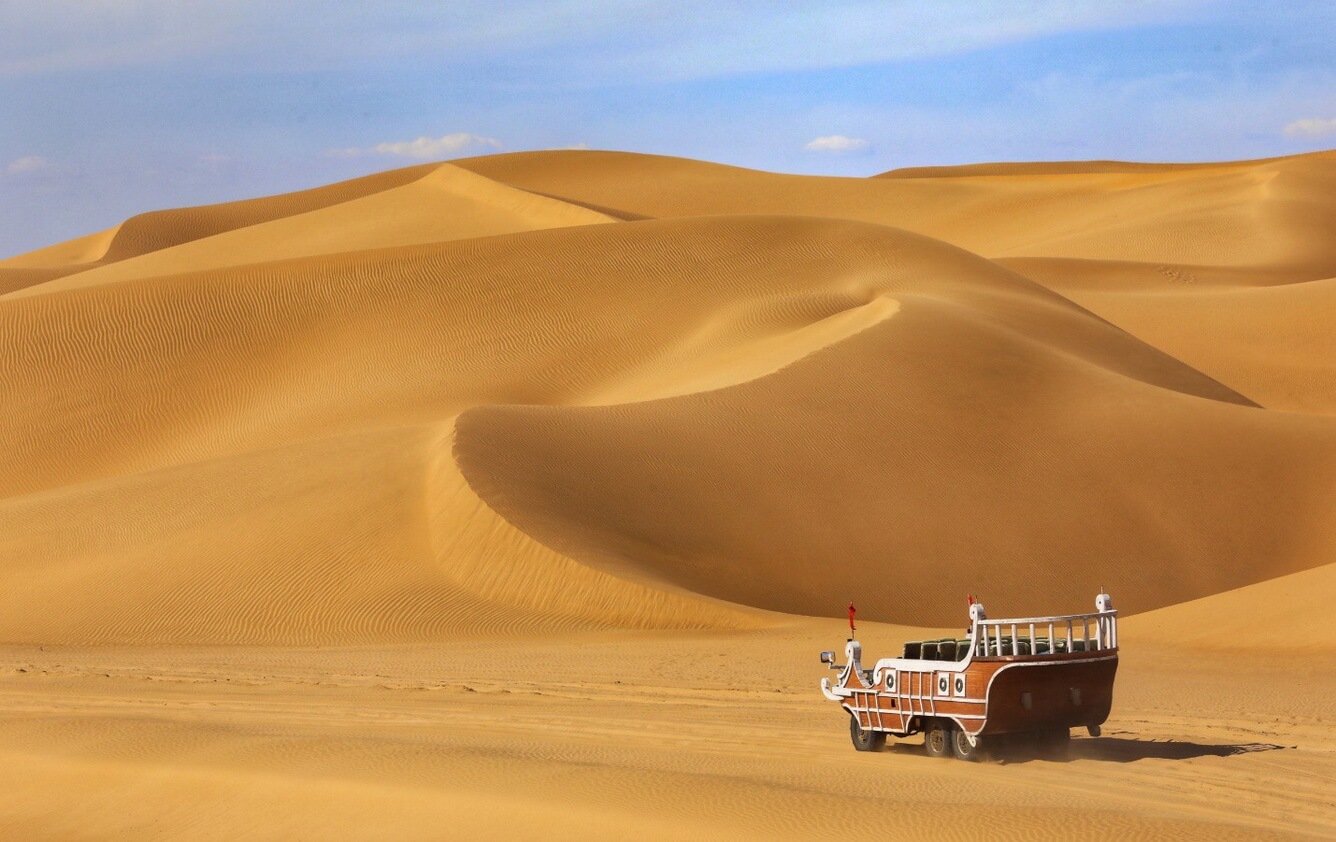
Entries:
{"x":628,"y":40}
{"x":837,"y":143}
{"x":28,"y":163}
{"x":424,"y":148}
{"x":1311,"y":127}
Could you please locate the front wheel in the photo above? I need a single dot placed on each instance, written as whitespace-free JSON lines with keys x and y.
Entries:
{"x":937,"y":740}
{"x":962,"y":748}
{"x":865,"y":740}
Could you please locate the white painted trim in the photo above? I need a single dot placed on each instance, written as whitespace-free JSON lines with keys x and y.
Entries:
{"x":826,"y":691}
{"x":916,"y":665}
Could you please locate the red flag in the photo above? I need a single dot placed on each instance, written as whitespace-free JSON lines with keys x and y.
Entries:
{"x":852,"y":611}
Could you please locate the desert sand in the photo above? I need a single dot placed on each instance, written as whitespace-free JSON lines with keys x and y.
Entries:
{"x":514,"y":496}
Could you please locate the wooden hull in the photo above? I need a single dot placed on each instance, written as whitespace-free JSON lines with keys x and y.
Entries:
{"x":989,"y":695}
{"x":1039,"y":695}
{"x":1021,"y":675}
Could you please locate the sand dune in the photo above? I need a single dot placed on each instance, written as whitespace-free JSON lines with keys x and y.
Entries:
{"x":367,"y":538}
{"x":80,"y":250}
{"x":638,"y":398}
{"x":1033,"y":168}
{"x":765,"y":351}
{"x":1264,"y":214}
{"x":552,"y":447}
{"x":598,"y":483}
{"x":1286,"y":612}
{"x":1271,"y":341}
{"x":1106,"y":234}
{"x":157,"y":230}
{"x":38,"y":267}
{"x":445,"y":203}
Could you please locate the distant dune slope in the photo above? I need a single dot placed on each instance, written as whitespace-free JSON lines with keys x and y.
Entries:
{"x":157,"y":230}
{"x":1119,"y":238}
{"x":366,"y":538}
{"x":447,"y":203}
{"x":1275,"y":343}
{"x":849,"y":475}
{"x":1269,"y":214}
{"x":1033,"y":168}
{"x":55,"y":261}
{"x":1288,"y":613}
{"x":174,"y":369}
{"x":557,"y":390}
{"x":80,"y":250}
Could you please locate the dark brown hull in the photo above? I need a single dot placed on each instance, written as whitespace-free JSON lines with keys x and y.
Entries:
{"x":1042,"y":675}
{"x":1047,"y":694}
{"x":992,"y":695}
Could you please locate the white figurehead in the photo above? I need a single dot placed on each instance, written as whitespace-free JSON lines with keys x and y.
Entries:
{"x":853,"y":651}
{"x":977,"y":613}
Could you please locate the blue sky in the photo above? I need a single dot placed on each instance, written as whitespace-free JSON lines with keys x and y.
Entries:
{"x":113,"y":107}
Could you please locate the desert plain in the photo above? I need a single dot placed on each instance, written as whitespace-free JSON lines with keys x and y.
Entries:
{"x":515,"y":496}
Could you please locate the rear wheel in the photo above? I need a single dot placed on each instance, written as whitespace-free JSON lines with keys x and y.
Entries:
{"x":962,"y":748}
{"x":937,"y":740}
{"x":865,"y":740}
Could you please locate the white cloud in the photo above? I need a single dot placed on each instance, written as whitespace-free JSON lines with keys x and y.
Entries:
{"x":1311,"y":127}
{"x":28,"y":163}
{"x":425,"y":148}
{"x":577,"y":146}
{"x":837,"y":143}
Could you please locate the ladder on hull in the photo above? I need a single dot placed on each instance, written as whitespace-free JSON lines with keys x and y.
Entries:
{"x":914,"y":702}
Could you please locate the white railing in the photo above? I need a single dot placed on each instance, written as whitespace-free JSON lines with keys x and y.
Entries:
{"x":988,"y":637}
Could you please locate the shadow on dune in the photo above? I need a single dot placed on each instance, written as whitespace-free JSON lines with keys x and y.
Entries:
{"x":1108,"y":749}
{"x":1129,"y":749}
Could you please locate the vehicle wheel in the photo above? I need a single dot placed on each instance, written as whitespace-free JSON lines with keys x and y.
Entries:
{"x":865,"y":740}
{"x":961,"y":747}
{"x":937,"y":740}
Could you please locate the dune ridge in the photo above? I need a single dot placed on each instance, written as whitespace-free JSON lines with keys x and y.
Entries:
{"x":1009,"y":168}
{"x":446,"y":203}
{"x":579,"y":389}
{"x":157,"y":230}
{"x":1112,"y":236}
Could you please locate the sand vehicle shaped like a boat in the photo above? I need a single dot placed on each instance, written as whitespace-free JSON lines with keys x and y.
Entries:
{"x":1027,"y":679}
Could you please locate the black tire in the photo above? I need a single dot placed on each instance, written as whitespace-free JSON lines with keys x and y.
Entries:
{"x":937,"y":739}
{"x":963,"y":749}
{"x":865,"y":740}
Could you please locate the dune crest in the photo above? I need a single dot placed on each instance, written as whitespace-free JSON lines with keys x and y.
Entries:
{"x":1287,"y":611}
{"x":1118,"y":238}
{"x":581,"y":390}
{"x":447,"y":203}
